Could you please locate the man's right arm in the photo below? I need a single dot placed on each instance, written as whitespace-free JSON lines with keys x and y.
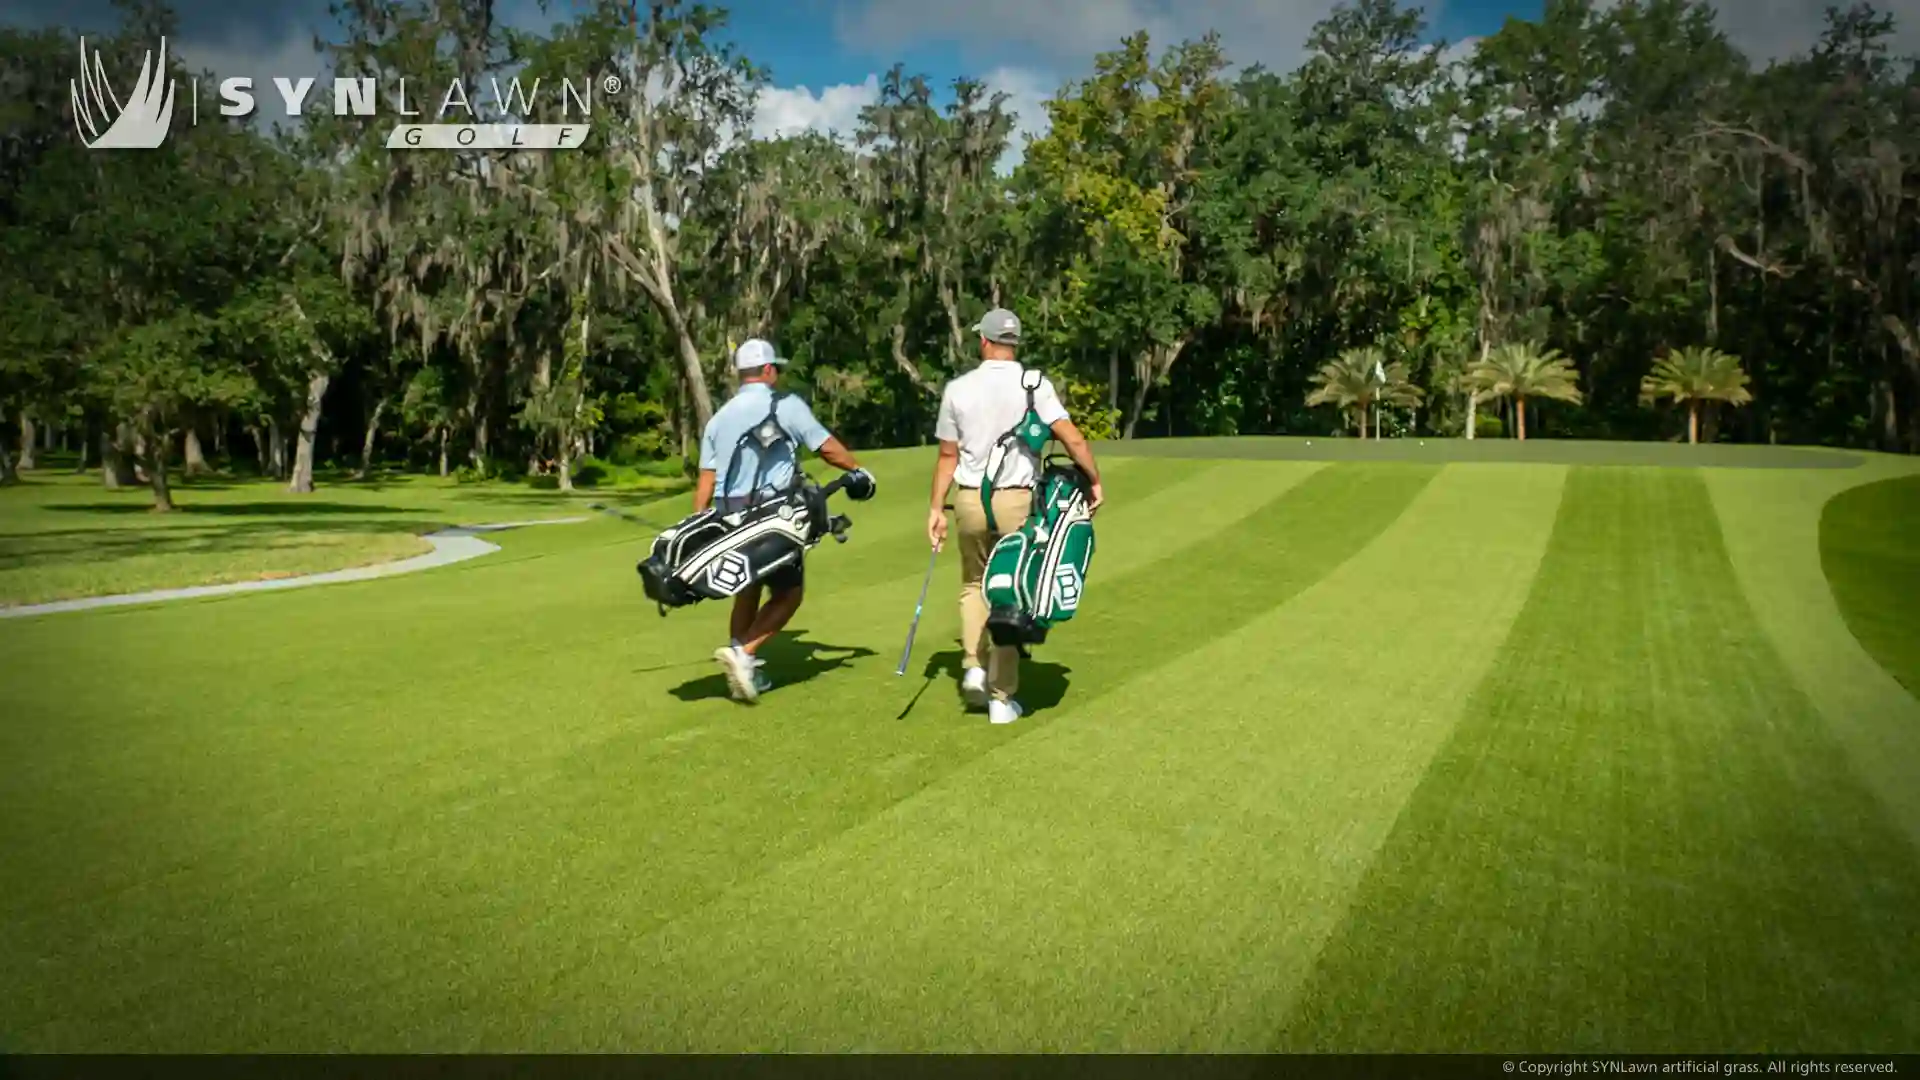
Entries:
{"x":703,"y":491}
{"x":946,"y":429}
{"x":709,"y":465}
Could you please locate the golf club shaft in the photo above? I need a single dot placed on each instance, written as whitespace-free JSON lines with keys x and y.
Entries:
{"x":918,"y":606}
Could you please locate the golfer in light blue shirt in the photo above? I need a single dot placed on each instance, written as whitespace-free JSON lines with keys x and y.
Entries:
{"x":729,"y":467}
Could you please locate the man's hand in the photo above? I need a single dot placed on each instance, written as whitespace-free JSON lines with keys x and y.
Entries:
{"x":1096,"y":498}
{"x":937,"y":527}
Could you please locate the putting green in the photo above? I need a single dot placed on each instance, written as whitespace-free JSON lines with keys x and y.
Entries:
{"x":1366,"y":755}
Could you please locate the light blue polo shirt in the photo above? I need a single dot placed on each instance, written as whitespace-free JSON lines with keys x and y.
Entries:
{"x":742,"y":414}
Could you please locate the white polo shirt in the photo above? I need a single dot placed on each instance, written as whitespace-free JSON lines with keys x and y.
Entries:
{"x":984,"y":404}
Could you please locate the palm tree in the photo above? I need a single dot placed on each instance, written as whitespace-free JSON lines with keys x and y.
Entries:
{"x":1353,"y":380}
{"x":1693,"y":376}
{"x":1523,"y":371}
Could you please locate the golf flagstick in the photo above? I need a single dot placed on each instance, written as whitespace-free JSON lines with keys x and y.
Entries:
{"x":918,"y":606}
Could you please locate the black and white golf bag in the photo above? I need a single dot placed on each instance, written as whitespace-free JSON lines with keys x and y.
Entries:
{"x":712,"y":556}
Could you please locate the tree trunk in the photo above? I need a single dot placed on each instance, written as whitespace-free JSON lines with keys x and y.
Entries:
{"x":220,"y":440}
{"x":1362,"y":411}
{"x":1888,"y":412}
{"x":1153,"y":364}
{"x":1113,"y":379}
{"x":445,"y":432}
{"x":195,"y":457}
{"x":139,"y":456}
{"x":366,"y":444}
{"x":29,"y":443}
{"x":566,"y":463}
{"x":276,"y":448}
{"x":309,"y":428}
{"x":116,"y":465}
{"x":691,"y":371}
{"x":1473,"y":412}
{"x":1520,"y":417}
{"x":156,"y":460}
{"x":1693,"y":422}
{"x":897,"y":337}
{"x":1713,"y":298}
{"x":259,"y":446}
{"x":7,"y":472}
{"x":89,"y":434}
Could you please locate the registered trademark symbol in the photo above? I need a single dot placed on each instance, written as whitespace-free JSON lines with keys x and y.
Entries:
{"x":611,"y":84}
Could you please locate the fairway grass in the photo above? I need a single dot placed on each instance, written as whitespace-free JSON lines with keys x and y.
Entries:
{"x":1338,"y":755}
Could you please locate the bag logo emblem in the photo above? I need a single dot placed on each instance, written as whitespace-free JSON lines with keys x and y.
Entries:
{"x":1066,"y":586}
{"x":730,"y":573}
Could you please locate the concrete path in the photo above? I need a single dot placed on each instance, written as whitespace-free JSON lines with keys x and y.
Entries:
{"x":457,"y":544}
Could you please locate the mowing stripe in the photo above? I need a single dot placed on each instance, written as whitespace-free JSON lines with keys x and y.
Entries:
{"x":1641,"y":838}
{"x":1153,"y":875}
{"x":1773,"y":537}
{"x":896,"y":546}
{"x":485,"y":798}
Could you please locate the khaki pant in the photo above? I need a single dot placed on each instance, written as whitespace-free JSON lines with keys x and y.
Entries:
{"x":1010,"y":506}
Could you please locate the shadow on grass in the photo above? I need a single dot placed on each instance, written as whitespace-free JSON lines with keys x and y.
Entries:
{"x":790,"y":661}
{"x":1043,"y":685}
{"x":107,"y":545}
{"x":240,"y":509}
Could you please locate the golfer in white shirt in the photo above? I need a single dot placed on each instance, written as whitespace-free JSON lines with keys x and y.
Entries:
{"x":975,"y":411}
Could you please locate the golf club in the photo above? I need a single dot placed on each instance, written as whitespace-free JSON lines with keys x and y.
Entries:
{"x":918,"y":606}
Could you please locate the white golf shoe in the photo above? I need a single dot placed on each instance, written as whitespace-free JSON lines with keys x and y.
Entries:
{"x":743,"y":676}
{"x":1004,"y":712}
{"x":973,"y":687}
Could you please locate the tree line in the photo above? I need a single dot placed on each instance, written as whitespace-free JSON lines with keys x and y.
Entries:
{"x":1606,"y":223}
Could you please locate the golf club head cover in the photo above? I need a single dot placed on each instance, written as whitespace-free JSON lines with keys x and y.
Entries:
{"x":861,"y":485}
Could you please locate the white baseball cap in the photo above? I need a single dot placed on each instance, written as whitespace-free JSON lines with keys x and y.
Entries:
{"x":754,"y":354}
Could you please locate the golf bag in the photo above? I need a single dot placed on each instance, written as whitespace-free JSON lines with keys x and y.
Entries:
{"x":1036,"y":574}
{"x":711,"y":555}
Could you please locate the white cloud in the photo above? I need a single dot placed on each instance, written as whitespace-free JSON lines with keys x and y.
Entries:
{"x":1068,"y":33}
{"x":784,"y":110}
{"x":1776,"y":29}
{"x":1027,"y":90}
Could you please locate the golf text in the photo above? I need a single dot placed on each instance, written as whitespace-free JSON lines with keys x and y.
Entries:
{"x":461,"y":116}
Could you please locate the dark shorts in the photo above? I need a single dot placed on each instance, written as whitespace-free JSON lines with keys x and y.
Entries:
{"x":787,"y":577}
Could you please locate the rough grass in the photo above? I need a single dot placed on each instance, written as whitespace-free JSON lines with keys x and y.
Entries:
{"x":63,"y":536}
{"x":1366,"y":756}
{"x":1870,"y":550}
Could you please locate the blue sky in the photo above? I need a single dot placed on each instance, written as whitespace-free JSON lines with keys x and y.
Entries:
{"x":826,"y":55}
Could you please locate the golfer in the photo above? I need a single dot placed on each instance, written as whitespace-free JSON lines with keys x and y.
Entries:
{"x":975,"y":411}
{"x":725,"y":447}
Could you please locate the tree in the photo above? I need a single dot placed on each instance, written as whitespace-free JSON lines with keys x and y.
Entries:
{"x":1524,"y":370}
{"x":1696,"y":376}
{"x":156,"y":375}
{"x":1359,"y":379}
{"x":1123,"y":152}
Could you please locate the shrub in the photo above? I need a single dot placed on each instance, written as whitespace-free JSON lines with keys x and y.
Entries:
{"x":1086,"y":402}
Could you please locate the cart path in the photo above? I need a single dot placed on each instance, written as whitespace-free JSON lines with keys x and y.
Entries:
{"x":451,"y":545}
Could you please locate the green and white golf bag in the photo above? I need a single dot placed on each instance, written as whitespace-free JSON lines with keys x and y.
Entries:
{"x":1037,"y":574}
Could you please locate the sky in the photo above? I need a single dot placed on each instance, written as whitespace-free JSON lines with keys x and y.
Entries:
{"x":826,"y":56}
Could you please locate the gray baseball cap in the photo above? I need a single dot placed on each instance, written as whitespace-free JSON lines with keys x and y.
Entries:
{"x":1000,"y":326}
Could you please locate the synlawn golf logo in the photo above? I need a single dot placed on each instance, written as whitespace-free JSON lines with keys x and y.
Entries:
{"x":143,"y":121}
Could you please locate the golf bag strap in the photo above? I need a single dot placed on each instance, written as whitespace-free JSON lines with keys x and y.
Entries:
{"x":1030,"y":382}
{"x":760,"y":466}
